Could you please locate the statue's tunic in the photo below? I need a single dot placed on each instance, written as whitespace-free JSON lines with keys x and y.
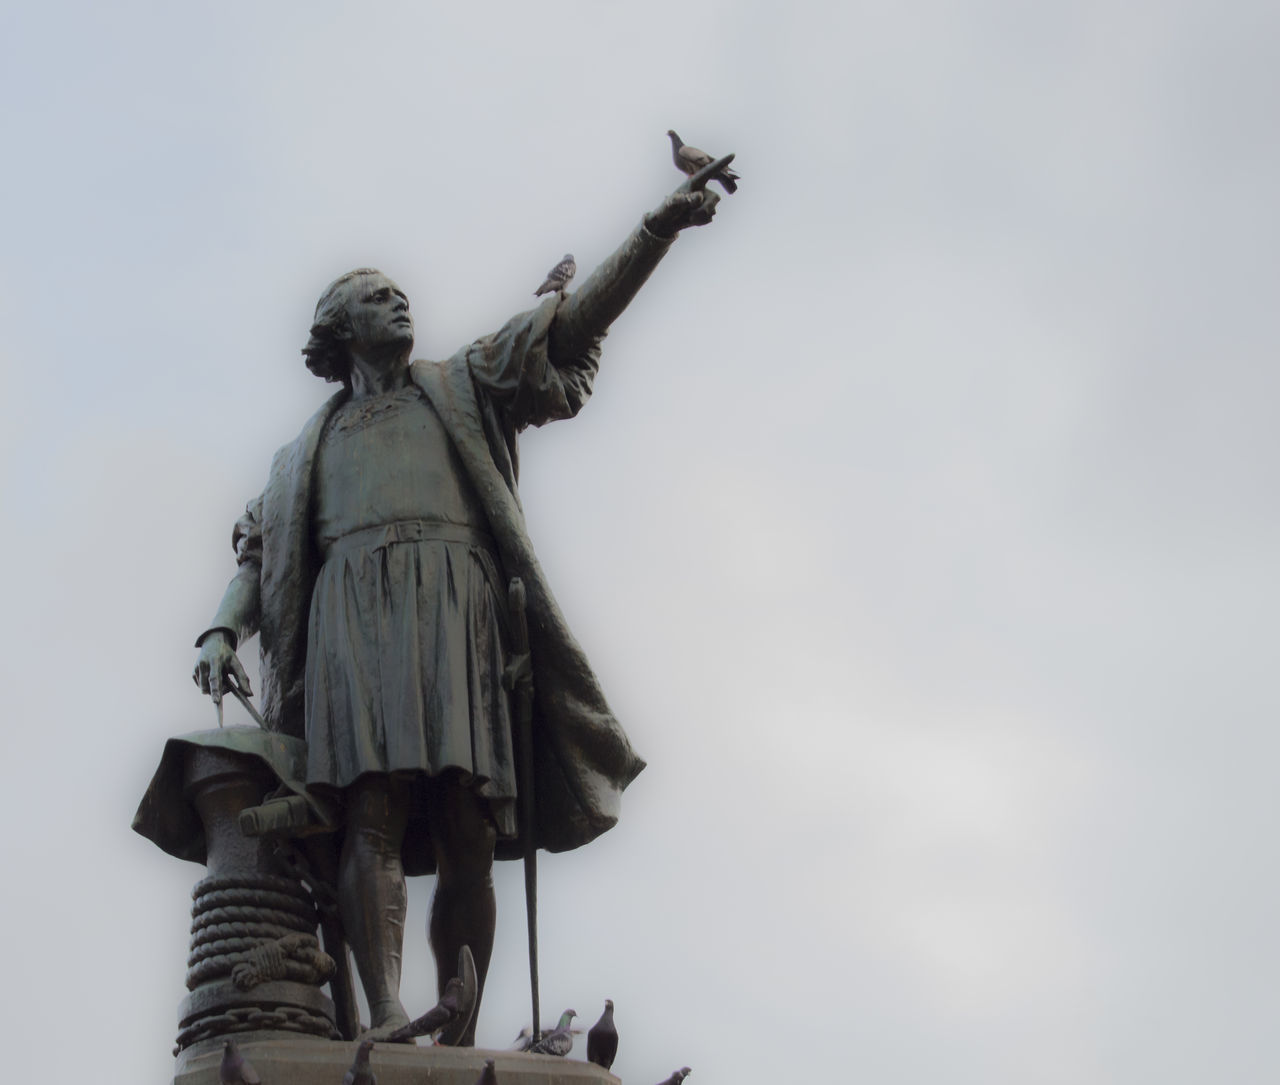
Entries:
{"x":405,"y":638}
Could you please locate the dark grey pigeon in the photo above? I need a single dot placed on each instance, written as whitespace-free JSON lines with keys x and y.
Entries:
{"x":678,"y":1076}
{"x":602,"y":1039}
{"x":690,"y":159}
{"x":559,"y":1041}
{"x":488,"y":1076}
{"x":235,"y":1068}
{"x":558,"y":277}
{"x":361,"y":1073}
{"x":434,"y":1019}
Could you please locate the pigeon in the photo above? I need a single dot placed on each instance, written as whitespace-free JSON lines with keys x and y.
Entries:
{"x":602,"y":1039}
{"x":690,"y":159}
{"x":235,"y":1068}
{"x":435,"y":1018}
{"x":524,"y":1038}
{"x":559,"y":1041}
{"x":361,"y":1073}
{"x":558,"y":277}
{"x":488,"y":1076}
{"x":678,"y":1076}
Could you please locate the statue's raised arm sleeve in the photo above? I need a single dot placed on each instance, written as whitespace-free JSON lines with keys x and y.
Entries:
{"x":585,"y":315}
{"x":540,"y":366}
{"x":239,"y":612}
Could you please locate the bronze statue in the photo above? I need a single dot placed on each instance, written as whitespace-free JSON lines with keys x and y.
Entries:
{"x":375,"y":567}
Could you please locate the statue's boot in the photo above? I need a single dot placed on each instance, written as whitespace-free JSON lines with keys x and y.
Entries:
{"x":372,"y":900}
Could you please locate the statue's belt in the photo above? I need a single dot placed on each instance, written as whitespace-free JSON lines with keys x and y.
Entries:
{"x":385,"y":535}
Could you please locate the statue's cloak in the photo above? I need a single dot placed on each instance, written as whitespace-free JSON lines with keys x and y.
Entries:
{"x":484,"y":395}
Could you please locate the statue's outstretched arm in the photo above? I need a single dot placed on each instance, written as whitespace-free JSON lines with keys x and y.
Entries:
{"x":587,"y":313}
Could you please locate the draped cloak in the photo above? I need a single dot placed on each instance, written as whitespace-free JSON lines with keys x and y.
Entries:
{"x":484,"y":394}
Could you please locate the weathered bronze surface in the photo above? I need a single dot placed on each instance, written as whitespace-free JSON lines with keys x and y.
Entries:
{"x":375,"y":567}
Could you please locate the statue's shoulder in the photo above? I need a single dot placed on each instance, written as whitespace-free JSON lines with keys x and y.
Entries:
{"x":304,"y":444}
{"x":429,"y":374}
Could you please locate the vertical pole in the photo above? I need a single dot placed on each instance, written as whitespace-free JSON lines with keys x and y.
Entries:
{"x":518,"y":678}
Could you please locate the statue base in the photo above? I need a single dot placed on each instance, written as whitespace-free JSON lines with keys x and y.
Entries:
{"x":287,"y":1059}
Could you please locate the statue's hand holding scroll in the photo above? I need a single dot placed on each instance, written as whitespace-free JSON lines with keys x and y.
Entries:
{"x":218,"y":666}
{"x":692,"y":204}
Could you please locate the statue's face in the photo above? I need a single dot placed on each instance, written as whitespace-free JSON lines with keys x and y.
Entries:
{"x":379,"y":312}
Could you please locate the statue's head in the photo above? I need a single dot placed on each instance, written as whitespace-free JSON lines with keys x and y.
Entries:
{"x":362,"y":309}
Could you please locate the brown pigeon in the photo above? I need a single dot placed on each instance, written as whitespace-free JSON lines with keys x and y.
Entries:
{"x":361,"y":1073}
{"x":690,"y":159}
{"x":602,"y":1039}
{"x":558,"y":277}
{"x":235,"y":1068}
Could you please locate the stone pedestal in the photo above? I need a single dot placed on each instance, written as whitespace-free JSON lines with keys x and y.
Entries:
{"x":323,"y":1062}
{"x":256,"y":967}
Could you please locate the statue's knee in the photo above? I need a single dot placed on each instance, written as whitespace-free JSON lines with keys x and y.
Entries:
{"x":376,"y":811}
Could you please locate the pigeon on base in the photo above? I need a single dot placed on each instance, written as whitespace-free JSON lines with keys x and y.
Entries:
{"x":488,"y":1076}
{"x":602,"y":1039}
{"x":678,"y":1076}
{"x":691,"y":159}
{"x":459,"y":1023}
{"x":235,"y":1069}
{"x":559,"y":1041}
{"x":558,"y":277}
{"x":434,"y":1019}
{"x":361,"y":1073}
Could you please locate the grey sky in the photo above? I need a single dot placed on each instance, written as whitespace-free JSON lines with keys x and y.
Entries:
{"x":922,"y":527}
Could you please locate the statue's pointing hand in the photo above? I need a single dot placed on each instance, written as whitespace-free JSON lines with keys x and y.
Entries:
{"x":689,"y":205}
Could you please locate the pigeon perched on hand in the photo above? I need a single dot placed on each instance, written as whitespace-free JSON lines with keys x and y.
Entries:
{"x":488,"y":1076}
{"x":434,"y":1019}
{"x":602,"y":1039}
{"x":235,"y":1069}
{"x":690,"y":159}
{"x":361,"y":1073}
{"x":678,"y":1076}
{"x":559,"y":1041}
{"x":558,"y":277}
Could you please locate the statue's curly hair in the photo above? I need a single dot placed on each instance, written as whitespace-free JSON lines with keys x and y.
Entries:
{"x":326,"y":349}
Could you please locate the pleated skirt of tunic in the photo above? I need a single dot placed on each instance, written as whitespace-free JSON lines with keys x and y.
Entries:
{"x":404,"y":669}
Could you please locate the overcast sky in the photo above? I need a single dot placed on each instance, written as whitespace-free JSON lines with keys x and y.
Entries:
{"x":922,"y":528}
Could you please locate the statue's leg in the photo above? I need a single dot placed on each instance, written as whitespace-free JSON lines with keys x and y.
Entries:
{"x":464,"y":910}
{"x":372,"y":897}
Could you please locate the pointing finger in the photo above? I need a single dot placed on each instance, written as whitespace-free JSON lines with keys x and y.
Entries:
{"x":699,"y":180}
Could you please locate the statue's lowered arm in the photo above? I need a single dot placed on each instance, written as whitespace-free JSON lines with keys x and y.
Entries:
{"x":238,"y":614}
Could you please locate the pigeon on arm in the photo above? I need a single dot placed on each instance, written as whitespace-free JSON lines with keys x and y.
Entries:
{"x":690,"y":160}
{"x":558,"y":277}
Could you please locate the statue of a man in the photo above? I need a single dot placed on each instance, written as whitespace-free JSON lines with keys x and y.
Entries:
{"x":375,"y":566}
